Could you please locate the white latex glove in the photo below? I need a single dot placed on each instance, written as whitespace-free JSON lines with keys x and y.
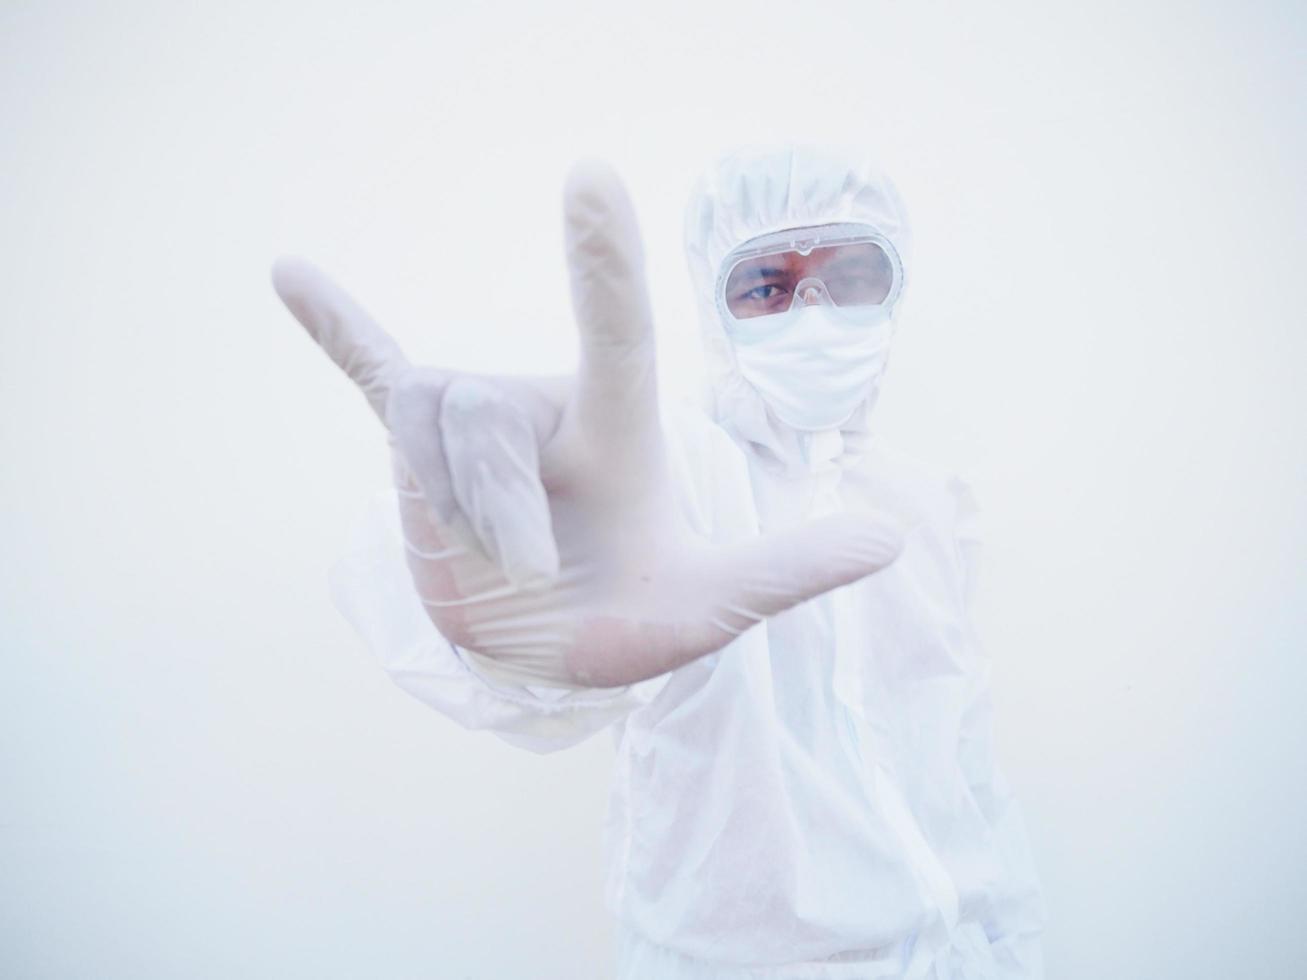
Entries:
{"x":541,"y":526}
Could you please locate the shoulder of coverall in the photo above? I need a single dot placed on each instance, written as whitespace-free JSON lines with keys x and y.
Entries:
{"x":938,"y":502}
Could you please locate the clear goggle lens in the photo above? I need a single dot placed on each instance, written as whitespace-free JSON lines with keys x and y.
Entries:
{"x":848,"y":266}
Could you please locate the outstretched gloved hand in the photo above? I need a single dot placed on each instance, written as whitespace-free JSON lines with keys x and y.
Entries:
{"x":540,"y":521}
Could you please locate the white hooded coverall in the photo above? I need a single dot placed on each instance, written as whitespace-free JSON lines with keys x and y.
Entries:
{"x":819,"y":798}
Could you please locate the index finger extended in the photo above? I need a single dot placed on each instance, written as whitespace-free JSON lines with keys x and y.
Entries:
{"x":342,"y":328}
{"x":617,"y":383}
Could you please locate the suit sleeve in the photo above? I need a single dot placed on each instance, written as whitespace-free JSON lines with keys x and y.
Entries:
{"x":371,"y":587}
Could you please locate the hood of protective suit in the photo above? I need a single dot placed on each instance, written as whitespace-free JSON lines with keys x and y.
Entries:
{"x":753,"y":192}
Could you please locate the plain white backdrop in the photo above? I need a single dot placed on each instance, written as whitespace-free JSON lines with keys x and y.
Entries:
{"x":203,"y":775}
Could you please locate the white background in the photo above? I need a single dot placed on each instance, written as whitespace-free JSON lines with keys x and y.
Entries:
{"x":203,"y":774}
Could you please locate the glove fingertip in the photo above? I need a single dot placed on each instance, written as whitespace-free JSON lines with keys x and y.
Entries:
{"x":291,"y":274}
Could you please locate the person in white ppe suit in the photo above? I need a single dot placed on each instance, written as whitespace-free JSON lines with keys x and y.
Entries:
{"x":766,"y":604}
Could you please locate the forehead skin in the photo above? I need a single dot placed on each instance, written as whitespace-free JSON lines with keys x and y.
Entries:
{"x":790,"y":267}
{"x":779,"y":268}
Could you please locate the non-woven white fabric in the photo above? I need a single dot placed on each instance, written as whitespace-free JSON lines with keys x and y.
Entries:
{"x":756,"y":192}
{"x":813,"y":368}
{"x":819,"y":797}
{"x":845,"y":816}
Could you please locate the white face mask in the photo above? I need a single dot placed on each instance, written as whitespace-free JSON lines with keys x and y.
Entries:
{"x":815,"y":365}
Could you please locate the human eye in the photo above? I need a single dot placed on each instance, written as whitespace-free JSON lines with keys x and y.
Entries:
{"x":759,"y":300}
{"x":757,"y":287}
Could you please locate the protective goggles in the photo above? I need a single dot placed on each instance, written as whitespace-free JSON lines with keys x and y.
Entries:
{"x":851,"y":267}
